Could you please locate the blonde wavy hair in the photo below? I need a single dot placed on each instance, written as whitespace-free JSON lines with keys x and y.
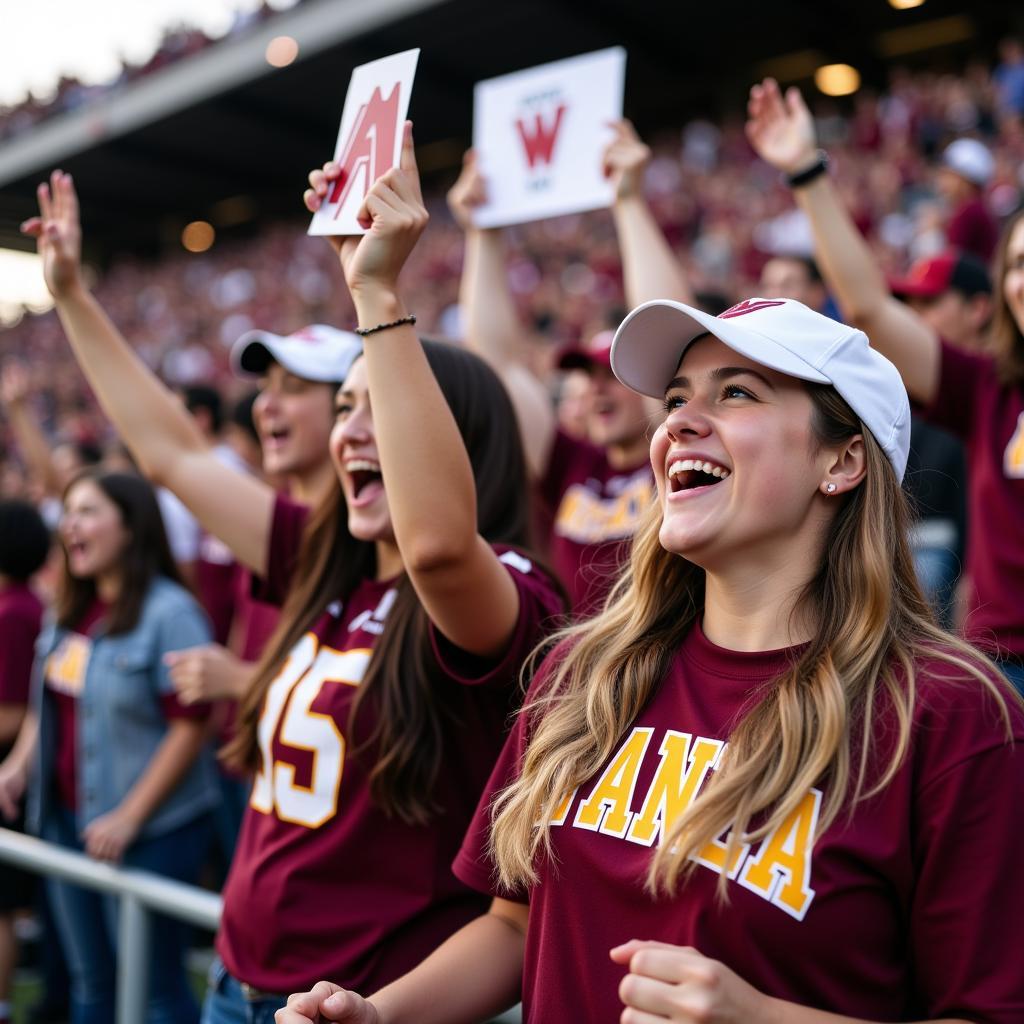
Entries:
{"x":872,"y":621}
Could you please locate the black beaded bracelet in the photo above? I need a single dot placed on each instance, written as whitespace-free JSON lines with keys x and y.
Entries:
{"x":364,"y":331}
{"x":805,"y":177}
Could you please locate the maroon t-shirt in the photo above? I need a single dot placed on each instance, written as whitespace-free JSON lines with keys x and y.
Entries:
{"x":21,"y":614}
{"x":64,"y":677}
{"x":596,"y":512}
{"x":973,"y":229}
{"x":988,"y":416}
{"x":324,"y":884}
{"x":909,"y":911}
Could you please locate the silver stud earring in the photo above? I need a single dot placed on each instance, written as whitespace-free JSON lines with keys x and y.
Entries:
{"x":830,"y":488}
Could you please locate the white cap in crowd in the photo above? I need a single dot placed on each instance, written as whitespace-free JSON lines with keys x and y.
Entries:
{"x":316,"y":352}
{"x":970,"y":159}
{"x":782,"y":334}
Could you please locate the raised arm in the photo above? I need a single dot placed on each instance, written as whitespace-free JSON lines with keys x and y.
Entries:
{"x":161,"y":434}
{"x":471,"y":977}
{"x":781,"y":130}
{"x":428,"y":479}
{"x":650,"y":269}
{"x":491,"y":323}
{"x":35,"y":448}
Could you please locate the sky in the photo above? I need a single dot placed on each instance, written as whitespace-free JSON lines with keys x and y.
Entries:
{"x":43,"y":39}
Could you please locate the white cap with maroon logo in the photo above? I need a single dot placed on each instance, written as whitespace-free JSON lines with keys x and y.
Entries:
{"x":317,"y":352}
{"x":782,"y":334}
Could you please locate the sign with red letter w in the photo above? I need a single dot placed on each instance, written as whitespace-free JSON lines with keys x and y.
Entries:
{"x":539,"y":136}
{"x":370,"y":138}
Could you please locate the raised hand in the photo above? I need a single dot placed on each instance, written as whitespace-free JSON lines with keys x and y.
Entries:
{"x":678,"y":983}
{"x":58,"y":234}
{"x":393,"y":214}
{"x":468,"y":192}
{"x":781,"y":129}
{"x":327,"y":1002}
{"x":625,"y":159}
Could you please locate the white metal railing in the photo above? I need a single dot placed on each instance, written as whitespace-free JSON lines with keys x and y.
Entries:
{"x":141,"y":894}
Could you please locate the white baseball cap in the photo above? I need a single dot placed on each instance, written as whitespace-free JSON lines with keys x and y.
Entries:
{"x":782,"y":334}
{"x":316,"y":352}
{"x":970,"y":159}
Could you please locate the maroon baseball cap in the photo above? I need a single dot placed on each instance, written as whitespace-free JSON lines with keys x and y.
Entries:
{"x":949,"y":271}
{"x":597,"y":352}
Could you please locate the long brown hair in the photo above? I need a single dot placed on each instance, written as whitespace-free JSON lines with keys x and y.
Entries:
{"x":146,"y":555}
{"x":404,"y":746}
{"x":1006,"y":334}
{"x":872,"y":623}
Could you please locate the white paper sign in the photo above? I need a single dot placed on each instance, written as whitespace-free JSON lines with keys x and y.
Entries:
{"x":539,"y":135}
{"x":369,"y":140}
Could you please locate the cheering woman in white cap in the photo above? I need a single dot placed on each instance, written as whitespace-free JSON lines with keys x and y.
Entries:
{"x":761,"y":785}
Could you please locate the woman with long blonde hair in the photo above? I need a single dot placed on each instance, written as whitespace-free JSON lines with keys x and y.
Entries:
{"x":761,"y":785}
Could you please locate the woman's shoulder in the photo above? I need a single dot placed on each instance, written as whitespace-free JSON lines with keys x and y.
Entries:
{"x":167,"y":597}
{"x":963,"y":707}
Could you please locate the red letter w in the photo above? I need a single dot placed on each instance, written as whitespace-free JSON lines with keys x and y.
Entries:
{"x":540,"y":145}
{"x":369,"y":147}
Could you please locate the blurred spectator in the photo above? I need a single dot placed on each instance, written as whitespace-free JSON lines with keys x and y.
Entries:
{"x":1009,"y":77}
{"x":966,"y":170}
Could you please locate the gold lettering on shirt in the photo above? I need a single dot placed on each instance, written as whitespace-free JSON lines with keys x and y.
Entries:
{"x":1013,"y":457}
{"x":587,"y":518}
{"x":778,"y":868}
{"x":681,"y":773}
{"x":607,"y":809}
{"x":780,"y":871}
{"x":65,"y":667}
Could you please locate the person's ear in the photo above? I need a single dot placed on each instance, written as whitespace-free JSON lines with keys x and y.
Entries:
{"x":846,"y":468}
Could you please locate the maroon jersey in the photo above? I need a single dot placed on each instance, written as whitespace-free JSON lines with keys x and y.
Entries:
{"x":973,"y":229}
{"x":64,"y":678}
{"x":324,"y":884}
{"x":597,"y":509}
{"x":910,"y":910}
{"x":988,"y":416}
{"x":21,"y":614}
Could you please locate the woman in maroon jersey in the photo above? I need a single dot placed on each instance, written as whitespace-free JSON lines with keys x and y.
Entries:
{"x":380,"y":704}
{"x":762,"y":785}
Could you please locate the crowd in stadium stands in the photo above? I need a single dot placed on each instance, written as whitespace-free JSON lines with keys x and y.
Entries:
{"x":70,"y":94}
{"x":325,"y":574}
{"x":724,"y":212}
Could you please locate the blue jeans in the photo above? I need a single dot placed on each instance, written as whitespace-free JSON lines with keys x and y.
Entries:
{"x":227,"y":1003}
{"x":87,"y":923}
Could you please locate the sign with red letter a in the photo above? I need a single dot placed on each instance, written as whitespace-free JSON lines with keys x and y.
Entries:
{"x":370,"y":138}
{"x":539,"y":135}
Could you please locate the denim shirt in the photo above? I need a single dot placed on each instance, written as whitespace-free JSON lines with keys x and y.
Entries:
{"x":119,"y":722}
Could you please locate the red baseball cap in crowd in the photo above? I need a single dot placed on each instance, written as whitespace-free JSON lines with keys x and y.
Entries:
{"x":597,"y":352}
{"x":949,"y":271}
{"x":782,"y":334}
{"x":316,"y":352}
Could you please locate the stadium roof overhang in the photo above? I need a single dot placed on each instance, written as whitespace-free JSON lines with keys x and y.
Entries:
{"x":223,"y":136}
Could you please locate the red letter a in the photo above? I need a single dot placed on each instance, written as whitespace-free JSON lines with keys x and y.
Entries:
{"x":369,"y":147}
{"x":541,"y":144}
